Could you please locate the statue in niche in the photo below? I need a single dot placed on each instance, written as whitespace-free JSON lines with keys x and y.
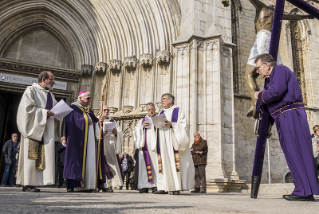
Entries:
{"x":263,"y":25}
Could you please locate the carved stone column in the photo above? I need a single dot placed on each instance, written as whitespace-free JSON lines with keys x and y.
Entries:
{"x":100,"y":67}
{"x":146,"y":60}
{"x":130,"y":62}
{"x":86,"y":69}
{"x":115,"y":65}
{"x":162,"y":57}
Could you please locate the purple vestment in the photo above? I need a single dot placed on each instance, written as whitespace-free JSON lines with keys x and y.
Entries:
{"x":282,"y":99}
{"x":74,"y":133}
{"x":147,"y":157}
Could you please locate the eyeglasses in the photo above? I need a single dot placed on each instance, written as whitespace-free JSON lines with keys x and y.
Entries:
{"x":88,"y":98}
{"x":257,"y":68}
{"x":106,"y":110}
{"x":50,"y":79}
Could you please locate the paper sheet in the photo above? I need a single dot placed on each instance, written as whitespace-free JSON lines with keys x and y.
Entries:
{"x":158,"y":121}
{"x":109,"y":126}
{"x":61,"y":109}
{"x":149,"y":121}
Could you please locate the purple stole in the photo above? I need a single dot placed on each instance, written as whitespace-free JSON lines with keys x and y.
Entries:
{"x":146,"y":156}
{"x":48,"y":106}
{"x":176,"y":155}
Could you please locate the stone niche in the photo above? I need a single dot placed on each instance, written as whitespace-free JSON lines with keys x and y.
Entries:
{"x":46,"y":49}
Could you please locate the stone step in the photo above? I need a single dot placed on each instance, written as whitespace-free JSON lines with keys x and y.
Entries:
{"x":276,"y":188}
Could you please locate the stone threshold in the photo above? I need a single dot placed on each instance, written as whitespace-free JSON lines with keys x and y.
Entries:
{"x":225,"y":185}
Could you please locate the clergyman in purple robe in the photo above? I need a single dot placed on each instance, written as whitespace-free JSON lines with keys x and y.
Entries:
{"x":282,"y":98}
{"x":82,"y":134}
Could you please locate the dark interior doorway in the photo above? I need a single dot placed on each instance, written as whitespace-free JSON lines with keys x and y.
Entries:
{"x":9,"y":103}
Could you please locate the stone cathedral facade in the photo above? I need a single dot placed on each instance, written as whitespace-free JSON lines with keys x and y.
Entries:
{"x":195,"y":49}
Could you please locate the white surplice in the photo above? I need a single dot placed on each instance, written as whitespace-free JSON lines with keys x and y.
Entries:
{"x":90,"y":165}
{"x":33,"y":123}
{"x":113,"y":147}
{"x":176,"y":137}
{"x":139,"y":142}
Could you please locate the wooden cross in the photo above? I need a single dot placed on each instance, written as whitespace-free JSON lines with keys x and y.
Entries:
{"x":278,"y":14}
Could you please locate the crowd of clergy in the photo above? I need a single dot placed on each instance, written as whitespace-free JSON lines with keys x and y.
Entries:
{"x":167,"y":162}
{"x":164,"y":155}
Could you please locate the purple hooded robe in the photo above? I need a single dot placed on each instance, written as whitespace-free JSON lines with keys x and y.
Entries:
{"x":281,"y":101}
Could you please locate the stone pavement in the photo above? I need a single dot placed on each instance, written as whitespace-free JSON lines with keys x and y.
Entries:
{"x":53,"y":200}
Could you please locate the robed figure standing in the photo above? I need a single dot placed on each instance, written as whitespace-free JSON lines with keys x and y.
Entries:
{"x":176,"y":167}
{"x":145,"y":142}
{"x":282,"y":99}
{"x":39,"y":132}
{"x":82,"y":134}
{"x":112,"y":149}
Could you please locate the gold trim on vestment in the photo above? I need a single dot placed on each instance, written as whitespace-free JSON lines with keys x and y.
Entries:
{"x":262,"y":97}
{"x":287,"y":110}
{"x":286,"y":106}
{"x":85,"y":140}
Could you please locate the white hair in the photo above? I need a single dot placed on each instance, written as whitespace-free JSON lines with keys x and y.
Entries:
{"x":82,"y":95}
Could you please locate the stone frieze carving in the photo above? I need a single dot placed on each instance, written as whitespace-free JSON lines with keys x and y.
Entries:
{"x":96,"y":112}
{"x":158,"y":107}
{"x":183,"y":49}
{"x":200,"y":45}
{"x":162,"y":57}
{"x":225,"y":52}
{"x":20,"y":67}
{"x":146,"y":60}
{"x":113,"y":110}
{"x":142,"y":108}
{"x":115,"y":65}
{"x":130,"y":62}
{"x":86,"y":69}
{"x":100,"y":67}
{"x":127,"y":109}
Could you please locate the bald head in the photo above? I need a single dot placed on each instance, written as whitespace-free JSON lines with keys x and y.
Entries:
{"x":106,"y":111}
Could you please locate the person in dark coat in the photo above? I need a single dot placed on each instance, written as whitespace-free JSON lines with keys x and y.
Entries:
{"x":9,"y":151}
{"x":60,"y":160}
{"x":127,"y":165}
{"x":136,"y":169}
{"x":199,"y":155}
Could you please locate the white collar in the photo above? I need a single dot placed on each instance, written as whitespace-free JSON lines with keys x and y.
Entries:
{"x":79,"y":104}
{"x":171,"y":108}
{"x":38,"y":86}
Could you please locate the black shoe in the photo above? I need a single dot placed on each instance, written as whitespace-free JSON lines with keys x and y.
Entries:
{"x":203,"y":191}
{"x":2,"y":185}
{"x":173,"y":192}
{"x":145,"y":190}
{"x":33,"y":189}
{"x":160,"y":192}
{"x":70,"y":190}
{"x":60,"y":185}
{"x":255,"y":183}
{"x":121,"y":187}
{"x":11,"y":185}
{"x":294,"y":197}
{"x":109,"y":190}
{"x":196,"y":190}
{"x":30,"y":189}
{"x":154,"y":189}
